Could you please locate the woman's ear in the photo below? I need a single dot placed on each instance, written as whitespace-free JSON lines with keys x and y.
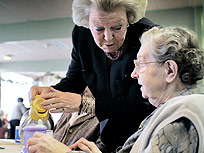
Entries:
{"x":171,"y":70}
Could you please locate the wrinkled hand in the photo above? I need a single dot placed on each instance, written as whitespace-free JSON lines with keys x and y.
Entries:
{"x":44,"y":143}
{"x":58,"y":101}
{"x":36,"y":90}
{"x":86,"y":146}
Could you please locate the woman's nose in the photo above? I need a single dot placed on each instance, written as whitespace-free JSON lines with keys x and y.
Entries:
{"x":134,"y":74}
{"x":108,"y":35}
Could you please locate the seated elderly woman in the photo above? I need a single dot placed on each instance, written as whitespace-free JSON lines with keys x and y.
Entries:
{"x":169,"y":67}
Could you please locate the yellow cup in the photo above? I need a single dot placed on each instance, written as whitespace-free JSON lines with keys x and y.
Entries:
{"x":37,"y":111}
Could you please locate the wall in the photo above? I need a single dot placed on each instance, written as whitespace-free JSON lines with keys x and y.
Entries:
{"x":56,"y":28}
{"x":189,"y":17}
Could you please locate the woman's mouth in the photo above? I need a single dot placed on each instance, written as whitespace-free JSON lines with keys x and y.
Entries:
{"x":109,"y":45}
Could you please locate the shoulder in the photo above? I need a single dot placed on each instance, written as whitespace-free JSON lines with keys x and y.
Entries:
{"x":191,"y":102}
{"x":80,"y":28}
{"x":137,"y":29}
{"x":81,"y":31}
{"x":145,"y":21}
{"x":189,"y":106}
{"x":81,"y":35}
{"x":175,"y":136}
{"x":143,"y":25}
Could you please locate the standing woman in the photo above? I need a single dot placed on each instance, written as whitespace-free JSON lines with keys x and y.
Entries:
{"x":105,"y":42}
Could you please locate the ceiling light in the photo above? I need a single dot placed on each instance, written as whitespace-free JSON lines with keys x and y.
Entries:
{"x":8,"y":57}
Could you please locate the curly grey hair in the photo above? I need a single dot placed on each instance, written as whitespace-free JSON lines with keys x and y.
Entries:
{"x":80,"y":9}
{"x":181,"y":45}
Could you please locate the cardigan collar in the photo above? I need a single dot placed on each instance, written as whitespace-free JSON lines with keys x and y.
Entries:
{"x":118,"y":54}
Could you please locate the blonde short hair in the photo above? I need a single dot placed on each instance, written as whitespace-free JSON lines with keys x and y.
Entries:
{"x":80,"y":9}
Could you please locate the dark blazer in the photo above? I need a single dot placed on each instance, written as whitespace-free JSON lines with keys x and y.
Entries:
{"x":118,"y":96}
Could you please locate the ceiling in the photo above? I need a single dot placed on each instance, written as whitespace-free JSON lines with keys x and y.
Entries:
{"x":18,"y":11}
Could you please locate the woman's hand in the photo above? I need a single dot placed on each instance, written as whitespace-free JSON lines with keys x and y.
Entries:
{"x":86,"y":146}
{"x":35,"y":90}
{"x":59,"y":101}
{"x":44,"y":143}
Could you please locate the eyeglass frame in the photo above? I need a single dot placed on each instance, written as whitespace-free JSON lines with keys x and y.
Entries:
{"x":137,"y":65}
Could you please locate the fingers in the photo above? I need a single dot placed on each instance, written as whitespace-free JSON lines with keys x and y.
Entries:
{"x":38,"y":142}
{"x":58,"y":101}
{"x":44,"y":143}
{"x":56,"y":111}
{"x":32,"y":145}
{"x":36,"y":90}
{"x":32,"y":93}
{"x":84,"y":148}
{"x":53,"y":89}
{"x":55,"y":104}
{"x":49,"y":95}
{"x":33,"y":148}
{"x":54,"y":100}
{"x":50,"y":101}
{"x":38,"y":134}
{"x":32,"y":141}
{"x":88,"y":146}
{"x":60,"y":110}
{"x":35,"y":145}
{"x":75,"y":145}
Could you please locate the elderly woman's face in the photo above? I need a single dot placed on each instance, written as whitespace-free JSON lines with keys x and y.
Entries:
{"x":108,"y":28}
{"x":150,"y":75}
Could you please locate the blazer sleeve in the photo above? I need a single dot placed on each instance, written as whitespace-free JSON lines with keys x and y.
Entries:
{"x":74,"y":81}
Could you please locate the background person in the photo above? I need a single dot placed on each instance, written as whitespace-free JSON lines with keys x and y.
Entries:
{"x":18,"y":111}
{"x":170,"y":69}
{"x":3,"y":125}
{"x":7,"y":134}
{"x":105,"y":42}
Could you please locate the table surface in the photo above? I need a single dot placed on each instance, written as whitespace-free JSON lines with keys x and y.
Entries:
{"x":10,"y":146}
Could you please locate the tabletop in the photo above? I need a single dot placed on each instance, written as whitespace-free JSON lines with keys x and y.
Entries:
{"x":10,"y":146}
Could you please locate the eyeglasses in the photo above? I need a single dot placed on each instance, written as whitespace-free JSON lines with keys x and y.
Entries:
{"x":141,"y":67}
